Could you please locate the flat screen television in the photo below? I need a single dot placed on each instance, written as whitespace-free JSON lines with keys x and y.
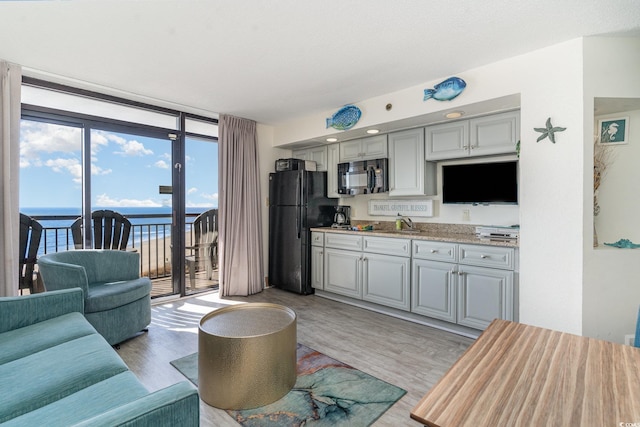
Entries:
{"x":480,"y":183}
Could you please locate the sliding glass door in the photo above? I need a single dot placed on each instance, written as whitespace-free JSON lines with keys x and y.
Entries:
{"x":83,"y":151}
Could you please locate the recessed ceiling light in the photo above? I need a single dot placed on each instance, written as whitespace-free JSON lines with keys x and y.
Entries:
{"x":332,"y":139}
{"x":373,"y":131}
{"x":454,"y":114}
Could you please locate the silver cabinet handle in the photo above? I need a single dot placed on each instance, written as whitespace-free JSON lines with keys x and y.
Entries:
{"x":460,"y":273}
{"x":484,"y":256}
{"x":433,"y":251}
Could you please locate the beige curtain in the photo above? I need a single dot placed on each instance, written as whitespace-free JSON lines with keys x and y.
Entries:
{"x":240,"y":242}
{"x":10,"y":81}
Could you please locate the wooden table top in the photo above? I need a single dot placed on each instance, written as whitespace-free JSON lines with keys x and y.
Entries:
{"x":521,"y":375}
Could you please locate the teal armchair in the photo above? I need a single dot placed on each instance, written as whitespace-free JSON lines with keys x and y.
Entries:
{"x":117,"y":301}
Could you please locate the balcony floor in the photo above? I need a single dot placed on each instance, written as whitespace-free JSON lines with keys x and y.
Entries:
{"x":163,"y":287}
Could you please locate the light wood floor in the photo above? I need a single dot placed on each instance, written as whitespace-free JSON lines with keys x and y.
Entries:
{"x":402,"y":353}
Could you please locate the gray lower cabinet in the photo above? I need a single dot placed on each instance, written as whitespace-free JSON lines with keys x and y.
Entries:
{"x":374,"y":269}
{"x":470,"y":285}
{"x":342,"y":272}
{"x":317,"y":260}
{"x":317,"y":267}
{"x":386,"y":280}
{"x":484,"y":294}
{"x":433,"y":290}
{"x":474,"y":286}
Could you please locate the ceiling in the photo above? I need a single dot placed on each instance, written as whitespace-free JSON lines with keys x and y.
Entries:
{"x":275,"y":61}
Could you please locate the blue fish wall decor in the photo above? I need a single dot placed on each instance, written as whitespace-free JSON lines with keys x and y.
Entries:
{"x":345,"y":118}
{"x":446,"y":90}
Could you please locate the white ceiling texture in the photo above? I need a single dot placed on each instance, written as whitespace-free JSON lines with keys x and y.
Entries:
{"x":274,"y":61}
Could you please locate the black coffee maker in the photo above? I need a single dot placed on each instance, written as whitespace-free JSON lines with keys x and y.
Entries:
{"x":342,"y":217}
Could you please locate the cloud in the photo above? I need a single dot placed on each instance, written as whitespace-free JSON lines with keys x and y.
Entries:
{"x":192,"y":190}
{"x":132,"y":148}
{"x":37,"y":138}
{"x":213,"y":197}
{"x":161,"y":164}
{"x":72,"y":166}
{"x":200,"y":205}
{"x":105,"y":201}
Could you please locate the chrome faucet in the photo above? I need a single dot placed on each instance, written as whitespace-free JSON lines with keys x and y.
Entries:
{"x":407,"y":221}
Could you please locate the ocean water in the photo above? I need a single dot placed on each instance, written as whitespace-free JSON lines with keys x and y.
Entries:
{"x":56,"y":238}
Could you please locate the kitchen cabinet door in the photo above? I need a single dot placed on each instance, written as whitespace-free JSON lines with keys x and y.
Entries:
{"x":484,"y":294}
{"x":317,"y":267}
{"x":374,"y":147}
{"x":386,"y":280}
{"x":333,"y":158}
{"x":351,"y":150}
{"x":447,"y":141}
{"x":433,"y":289}
{"x":316,"y":154}
{"x":408,"y":171}
{"x":495,"y":134}
{"x":342,"y":272}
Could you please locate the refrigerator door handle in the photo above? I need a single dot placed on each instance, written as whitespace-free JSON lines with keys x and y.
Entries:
{"x":300,"y":197}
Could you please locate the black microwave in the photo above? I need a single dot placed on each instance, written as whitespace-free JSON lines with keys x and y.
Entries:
{"x":363,"y":177}
{"x":294,"y":164}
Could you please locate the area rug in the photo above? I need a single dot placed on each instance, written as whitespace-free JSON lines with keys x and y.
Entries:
{"x":327,"y":393}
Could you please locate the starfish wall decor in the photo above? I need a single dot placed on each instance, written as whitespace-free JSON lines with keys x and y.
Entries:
{"x":548,"y":131}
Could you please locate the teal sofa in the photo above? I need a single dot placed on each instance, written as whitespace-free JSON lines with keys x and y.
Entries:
{"x":56,"y":370}
{"x":117,"y":301}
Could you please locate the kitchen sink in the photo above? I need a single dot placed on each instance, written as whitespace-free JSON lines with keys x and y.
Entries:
{"x":410,"y":231}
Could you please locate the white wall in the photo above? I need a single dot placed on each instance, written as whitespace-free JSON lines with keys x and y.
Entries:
{"x":611,"y":276}
{"x":267,"y":157}
{"x":549,"y":82}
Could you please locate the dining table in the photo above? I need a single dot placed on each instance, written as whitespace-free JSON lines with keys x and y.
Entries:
{"x":522,"y":375}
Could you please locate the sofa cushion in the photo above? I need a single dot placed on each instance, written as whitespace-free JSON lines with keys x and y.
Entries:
{"x":109,"y":295}
{"x":86,"y":403}
{"x":21,"y":342}
{"x":40,"y":378}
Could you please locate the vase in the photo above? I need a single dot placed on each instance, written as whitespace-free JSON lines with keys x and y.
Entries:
{"x":595,"y":236}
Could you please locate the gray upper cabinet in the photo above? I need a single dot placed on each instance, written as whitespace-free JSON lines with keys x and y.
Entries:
{"x":409,"y":174}
{"x":447,"y":141}
{"x":333,"y":158}
{"x":481,"y":136}
{"x":316,"y":154}
{"x":374,"y":147}
{"x":496,"y":134}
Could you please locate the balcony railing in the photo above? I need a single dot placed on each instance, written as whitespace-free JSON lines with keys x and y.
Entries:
{"x":150,"y":237}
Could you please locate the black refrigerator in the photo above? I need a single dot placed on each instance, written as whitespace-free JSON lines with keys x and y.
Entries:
{"x":297,"y":202}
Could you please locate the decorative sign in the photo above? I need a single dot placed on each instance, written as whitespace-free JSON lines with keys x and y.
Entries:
{"x":413,"y":208}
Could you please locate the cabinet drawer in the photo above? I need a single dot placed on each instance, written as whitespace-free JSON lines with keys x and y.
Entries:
{"x":343,"y":241}
{"x":486,"y":256}
{"x":387,"y":246}
{"x":317,"y":238}
{"x":437,"y":251}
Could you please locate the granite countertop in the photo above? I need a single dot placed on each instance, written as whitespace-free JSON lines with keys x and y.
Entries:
{"x":436,"y":232}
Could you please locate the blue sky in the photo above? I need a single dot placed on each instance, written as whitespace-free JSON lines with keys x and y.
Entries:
{"x":126,"y":170}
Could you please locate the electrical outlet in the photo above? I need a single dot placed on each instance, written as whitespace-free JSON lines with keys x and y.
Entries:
{"x":466,"y":216}
{"x":629,"y":338}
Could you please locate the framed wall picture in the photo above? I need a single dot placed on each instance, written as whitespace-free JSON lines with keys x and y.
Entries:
{"x":614,"y":131}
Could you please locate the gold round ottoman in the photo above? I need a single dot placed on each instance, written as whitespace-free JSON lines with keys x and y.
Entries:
{"x":246,"y":355}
